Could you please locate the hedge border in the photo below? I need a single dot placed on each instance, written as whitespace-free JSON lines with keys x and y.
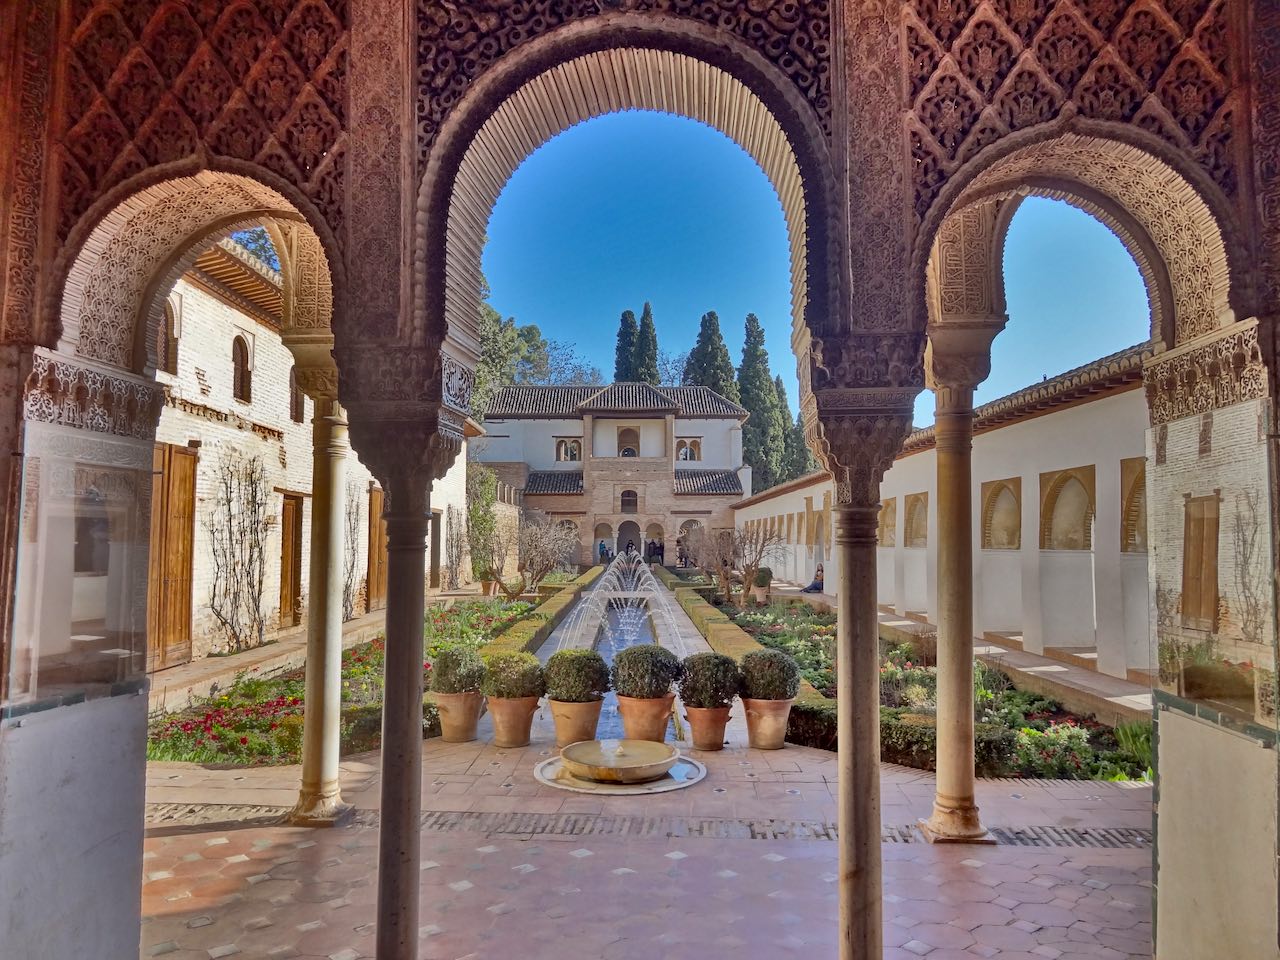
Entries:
{"x":530,"y":633}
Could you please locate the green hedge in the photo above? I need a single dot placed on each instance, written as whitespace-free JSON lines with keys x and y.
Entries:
{"x":530,"y":633}
{"x":364,"y":722}
{"x":909,"y":739}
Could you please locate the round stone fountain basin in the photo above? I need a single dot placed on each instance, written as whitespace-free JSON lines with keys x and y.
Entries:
{"x":619,"y":761}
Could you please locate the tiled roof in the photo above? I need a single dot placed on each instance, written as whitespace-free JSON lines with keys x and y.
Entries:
{"x":708,"y":483}
{"x":703,"y":402}
{"x":565,"y":403}
{"x":627,"y":397}
{"x":538,"y":401}
{"x":554,"y":481}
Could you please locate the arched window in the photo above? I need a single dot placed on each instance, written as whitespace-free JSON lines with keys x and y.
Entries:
{"x":630,"y":501}
{"x":242,"y":376}
{"x":568,"y":450}
{"x":628,"y":442}
{"x":1001,"y":516}
{"x":168,"y":342}
{"x":887,"y":532}
{"x":689,"y":449}
{"x":297,"y":407}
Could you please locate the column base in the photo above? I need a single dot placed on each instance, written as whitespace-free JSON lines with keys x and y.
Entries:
{"x":955,"y":825}
{"x":320,"y":812}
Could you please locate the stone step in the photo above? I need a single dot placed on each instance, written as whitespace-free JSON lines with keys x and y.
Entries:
{"x":1086,"y":657}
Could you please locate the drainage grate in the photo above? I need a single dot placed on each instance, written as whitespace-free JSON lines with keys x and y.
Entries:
{"x":641,"y":828}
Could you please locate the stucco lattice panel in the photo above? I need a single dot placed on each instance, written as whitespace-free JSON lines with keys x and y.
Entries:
{"x":1158,"y":199}
{"x":152,"y":81}
{"x":1218,"y":374}
{"x":107,"y":283}
{"x":457,"y":42}
{"x":977,"y":72}
{"x":590,"y":86}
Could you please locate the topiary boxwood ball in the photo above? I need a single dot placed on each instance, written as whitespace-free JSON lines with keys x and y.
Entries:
{"x":576,"y":676}
{"x":512,"y":676}
{"x":645,"y":671}
{"x":457,"y":670}
{"x":710,"y":680}
{"x":769,"y":675}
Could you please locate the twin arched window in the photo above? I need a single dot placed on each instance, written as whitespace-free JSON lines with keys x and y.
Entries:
{"x":689,"y":449}
{"x":568,"y":450}
{"x":241,"y":376}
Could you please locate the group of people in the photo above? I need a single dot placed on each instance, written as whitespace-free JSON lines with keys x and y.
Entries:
{"x":654,"y":551}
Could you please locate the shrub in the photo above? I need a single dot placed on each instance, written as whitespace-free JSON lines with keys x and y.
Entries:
{"x":513,"y":675}
{"x":457,"y":670}
{"x":1060,"y":751}
{"x":645,"y":671}
{"x":710,"y":680}
{"x":576,"y":676}
{"x":1134,"y":740}
{"x":769,"y":675}
{"x":764,"y":577}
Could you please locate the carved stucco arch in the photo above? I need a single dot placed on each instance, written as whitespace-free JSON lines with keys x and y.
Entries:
{"x":110,"y":299}
{"x":1183,"y":249}
{"x":588,"y":69}
{"x":1085,"y":477}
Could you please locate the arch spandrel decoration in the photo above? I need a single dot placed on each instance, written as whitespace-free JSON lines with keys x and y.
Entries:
{"x":149,"y":82}
{"x":1067,"y":509}
{"x":1002,"y":514}
{"x":978,"y":73}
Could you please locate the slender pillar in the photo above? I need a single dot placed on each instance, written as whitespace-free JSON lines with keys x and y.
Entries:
{"x":399,"y":851}
{"x":320,"y":798}
{"x":955,"y":812}
{"x":858,"y":730}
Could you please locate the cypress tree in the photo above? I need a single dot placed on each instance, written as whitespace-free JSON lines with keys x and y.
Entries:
{"x":624,"y":353}
{"x":764,"y":433}
{"x":709,"y":364}
{"x":787,"y":470}
{"x":800,"y":457}
{"x":644,"y":365}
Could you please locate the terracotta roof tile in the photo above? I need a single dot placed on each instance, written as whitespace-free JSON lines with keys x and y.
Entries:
{"x":704,"y":402}
{"x":528,"y":401}
{"x":626,"y":397}
{"x":554,"y":481}
{"x":538,"y":401}
{"x":708,"y":483}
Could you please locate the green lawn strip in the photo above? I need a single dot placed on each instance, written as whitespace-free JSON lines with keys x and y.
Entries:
{"x":530,"y":633}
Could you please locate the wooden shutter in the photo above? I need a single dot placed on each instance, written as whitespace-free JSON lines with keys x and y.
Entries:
{"x":1200,"y":563}
{"x":291,"y":561}
{"x":172,"y":553}
{"x":376,"y":588}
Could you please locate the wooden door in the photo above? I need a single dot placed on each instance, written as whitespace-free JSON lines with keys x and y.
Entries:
{"x":291,"y":561}
{"x":434,"y":569}
{"x":376,"y":589}
{"x":173,"y":499}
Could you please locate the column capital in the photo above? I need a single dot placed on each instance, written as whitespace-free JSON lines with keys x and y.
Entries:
{"x":857,"y":447}
{"x":406,"y":455}
{"x":958,"y":358}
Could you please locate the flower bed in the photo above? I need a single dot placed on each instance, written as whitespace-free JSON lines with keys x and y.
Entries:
{"x":1017,"y":733}
{"x":258,"y":720}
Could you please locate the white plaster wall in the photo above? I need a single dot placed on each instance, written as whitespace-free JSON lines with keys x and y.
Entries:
{"x":653,"y":437}
{"x":71,"y":810}
{"x":527,"y":441}
{"x":1049,"y":597}
{"x":1216,"y":886}
{"x":795,"y":561}
{"x":998,"y":591}
{"x":717,"y":441}
{"x":1136,"y":592}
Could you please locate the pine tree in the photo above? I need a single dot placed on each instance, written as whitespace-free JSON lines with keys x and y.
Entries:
{"x":624,"y":353}
{"x":644,"y":364}
{"x":764,"y":433}
{"x":709,"y":364}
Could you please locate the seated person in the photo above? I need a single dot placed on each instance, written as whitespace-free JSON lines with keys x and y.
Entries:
{"x":816,"y":586}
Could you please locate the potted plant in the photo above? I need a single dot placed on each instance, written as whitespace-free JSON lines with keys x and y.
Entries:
{"x":577,"y":681}
{"x":760,"y":585}
{"x":709,"y":684}
{"x":513,"y":684}
{"x":456,"y":677}
{"x":642,"y":678}
{"x":770,"y":680}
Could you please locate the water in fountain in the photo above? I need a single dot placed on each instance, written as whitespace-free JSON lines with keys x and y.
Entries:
{"x":625,"y":607}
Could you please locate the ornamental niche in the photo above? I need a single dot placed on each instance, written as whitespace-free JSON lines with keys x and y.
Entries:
{"x":976,"y":73}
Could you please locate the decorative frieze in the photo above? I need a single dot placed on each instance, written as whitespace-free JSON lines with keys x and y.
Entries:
{"x":68,"y":394}
{"x":1206,"y":377}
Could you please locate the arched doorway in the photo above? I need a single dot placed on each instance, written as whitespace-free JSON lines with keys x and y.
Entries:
{"x":629,"y":535}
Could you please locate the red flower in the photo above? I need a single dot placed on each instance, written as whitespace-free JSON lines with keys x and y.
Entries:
{"x":244,"y":741}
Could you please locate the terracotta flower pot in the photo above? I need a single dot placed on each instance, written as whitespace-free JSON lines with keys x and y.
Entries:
{"x":760,"y":595}
{"x":575,"y":722}
{"x":706,"y":726}
{"x":459,"y":713}
{"x":645,"y":718}
{"x":488,"y":587}
{"x":512,"y":720}
{"x":767,"y":722}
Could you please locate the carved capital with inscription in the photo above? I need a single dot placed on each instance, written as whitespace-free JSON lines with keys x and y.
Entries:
{"x":407,"y":455}
{"x":856,"y":444}
{"x":958,"y":358}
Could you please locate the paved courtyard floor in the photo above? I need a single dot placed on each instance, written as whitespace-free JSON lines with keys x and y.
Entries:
{"x":742,"y":864}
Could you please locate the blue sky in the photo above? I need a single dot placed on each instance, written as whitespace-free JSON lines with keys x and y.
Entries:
{"x":644,"y":206}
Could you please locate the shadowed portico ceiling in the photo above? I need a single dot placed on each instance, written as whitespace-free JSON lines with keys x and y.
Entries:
{"x":611,"y":81}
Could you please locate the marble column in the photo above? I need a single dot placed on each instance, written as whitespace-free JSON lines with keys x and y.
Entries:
{"x":320,"y":799}
{"x":858,"y":732}
{"x":955,"y":812}
{"x":399,"y":851}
